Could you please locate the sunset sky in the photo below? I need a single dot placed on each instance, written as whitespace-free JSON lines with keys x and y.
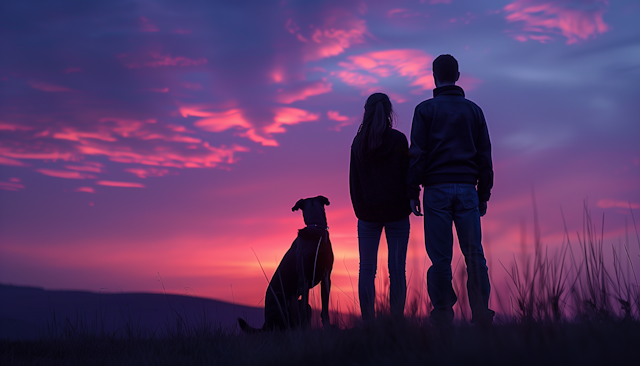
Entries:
{"x":173,"y":137}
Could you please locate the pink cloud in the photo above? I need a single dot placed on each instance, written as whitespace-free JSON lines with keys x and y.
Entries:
{"x":147,"y":26}
{"x":402,"y":13}
{"x":158,"y":60}
{"x":64,"y":174}
{"x":85,"y":189}
{"x":85,"y":168}
{"x":289,"y":116}
{"x":43,"y":133}
{"x":46,"y":87}
{"x":176,"y":128}
{"x":216,"y":121}
{"x":415,"y":65}
{"x":20,"y":153}
{"x":253,"y":135}
{"x":13,"y":127}
{"x":110,"y":183}
{"x":11,"y":162}
{"x":337,"y":33}
{"x":73,"y":135}
{"x":127,"y":127}
{"x":205,"y":156}
{"x":163,"y":146}
{"x":185,"y":139}
{"x":541,"y":39}
{"x":574,"y":19}
{"x":234,"y":119}
{"x":277,"y":76}
{"x":606,"y":203}
{"x":335,"y":116}
{"x":11,"y":185}
{"x":343,"y":120}
{"x":356,"y":79}
{"x":283,"y":116}
{"x":181,"y":31}
{"x":147,"y":172}
{"x":303,"y":92}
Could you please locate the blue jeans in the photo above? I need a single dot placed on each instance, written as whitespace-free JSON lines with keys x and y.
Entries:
{"x":397,"y":233}
{"x":445,"y":204}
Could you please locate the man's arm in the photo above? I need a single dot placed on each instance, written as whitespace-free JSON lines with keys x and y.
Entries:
{"x":483,"y":161}
{"x":482,"y":207}
{"x":418,"y":155}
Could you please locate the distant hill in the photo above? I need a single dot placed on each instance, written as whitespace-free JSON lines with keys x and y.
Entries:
{"x":30,"y":312}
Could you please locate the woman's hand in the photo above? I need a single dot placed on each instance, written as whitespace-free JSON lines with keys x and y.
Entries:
{"x":415,"y":207}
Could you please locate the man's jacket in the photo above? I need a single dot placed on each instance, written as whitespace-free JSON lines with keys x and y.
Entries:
{"x":450,"y":143}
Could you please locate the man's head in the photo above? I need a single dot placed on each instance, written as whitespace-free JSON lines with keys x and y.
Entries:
{"x":445,"y":70}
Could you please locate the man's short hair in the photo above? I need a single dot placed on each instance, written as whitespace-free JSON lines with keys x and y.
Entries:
{"x":445,"y":68}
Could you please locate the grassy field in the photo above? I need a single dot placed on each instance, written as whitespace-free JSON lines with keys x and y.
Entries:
{"x":576,"y":305}
{"x":412,"y":342}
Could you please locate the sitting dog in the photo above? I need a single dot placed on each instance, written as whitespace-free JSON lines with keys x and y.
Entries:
{"x":308,"y":262}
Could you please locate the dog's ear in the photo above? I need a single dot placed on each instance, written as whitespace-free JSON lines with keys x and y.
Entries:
{"x":298,"y":205}
{"x":324,"y":200}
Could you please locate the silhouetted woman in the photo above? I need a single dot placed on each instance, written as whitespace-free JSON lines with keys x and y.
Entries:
{"x":377,"y":176}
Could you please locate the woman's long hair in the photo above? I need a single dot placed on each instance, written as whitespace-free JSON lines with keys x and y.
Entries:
{"x":377,"y":119}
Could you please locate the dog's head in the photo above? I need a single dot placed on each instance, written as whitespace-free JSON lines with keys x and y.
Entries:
{"x":313,"y":210}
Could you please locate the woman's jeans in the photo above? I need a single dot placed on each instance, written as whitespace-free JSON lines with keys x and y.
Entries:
{"x":397,"y":233}
{"x":445,"y":204}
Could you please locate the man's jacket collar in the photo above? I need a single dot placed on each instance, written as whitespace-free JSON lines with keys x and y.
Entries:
{"x":448,"y":90}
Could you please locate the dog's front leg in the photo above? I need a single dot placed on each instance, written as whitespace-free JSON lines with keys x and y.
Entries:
{"x":303,"y":291}
{"x":305,"y":306}
{"x":325,"y":288}
{"x":294,"y":312}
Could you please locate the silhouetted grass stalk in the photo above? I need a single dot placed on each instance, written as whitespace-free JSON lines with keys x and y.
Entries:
{"x":566,"y":287}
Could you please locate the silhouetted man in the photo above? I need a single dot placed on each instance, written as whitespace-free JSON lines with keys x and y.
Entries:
{"x":450,"y":155}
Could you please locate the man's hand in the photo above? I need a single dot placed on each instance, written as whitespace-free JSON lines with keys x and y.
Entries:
{"x":415,"y":207}
{"x":482,"y":207}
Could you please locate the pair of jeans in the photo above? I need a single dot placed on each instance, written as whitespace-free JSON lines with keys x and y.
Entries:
{"x":455,"y":203}
{"x":397,"y":233}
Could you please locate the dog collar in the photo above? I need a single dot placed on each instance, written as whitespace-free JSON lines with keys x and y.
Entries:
{"x":320,"y":226}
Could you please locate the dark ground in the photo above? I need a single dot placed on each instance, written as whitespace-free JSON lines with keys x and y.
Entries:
{"x":412,"y":343}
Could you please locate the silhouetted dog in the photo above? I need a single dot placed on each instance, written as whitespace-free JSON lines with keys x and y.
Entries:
{"x":308,"y":262}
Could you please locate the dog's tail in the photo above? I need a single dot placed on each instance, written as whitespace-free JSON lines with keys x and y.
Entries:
{"x":246,"y":327}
